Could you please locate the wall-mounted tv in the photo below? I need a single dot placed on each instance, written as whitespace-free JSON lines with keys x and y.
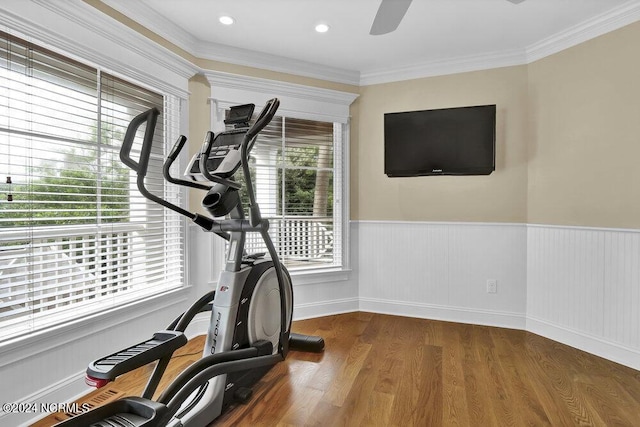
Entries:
{"x":449,"y":141}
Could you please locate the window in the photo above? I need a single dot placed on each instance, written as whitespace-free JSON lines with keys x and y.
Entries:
{"x":295,"y":177}
{"x":300,"y":165}
{"x":75,"y":234}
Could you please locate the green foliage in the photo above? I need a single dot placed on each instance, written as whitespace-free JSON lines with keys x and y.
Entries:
{"x":299,"y":183}
{"x":71,"y":191}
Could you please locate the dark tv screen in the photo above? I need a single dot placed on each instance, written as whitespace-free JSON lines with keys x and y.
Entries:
{"x":450,"y":141}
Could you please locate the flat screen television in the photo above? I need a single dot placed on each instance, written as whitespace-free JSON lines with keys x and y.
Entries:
{"x":449,"y":141}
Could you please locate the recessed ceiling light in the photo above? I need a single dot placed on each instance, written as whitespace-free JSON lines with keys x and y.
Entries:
{"x":322,"y":28}
{"x":226,"y":20}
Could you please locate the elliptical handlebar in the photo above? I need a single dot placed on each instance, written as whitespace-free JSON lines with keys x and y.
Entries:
{"x":266,"y":115}
{"x":177,"y":147}
{"x":140,"y":167}
{"x":150,"y":117}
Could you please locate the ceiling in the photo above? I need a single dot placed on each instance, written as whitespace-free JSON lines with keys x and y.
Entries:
{"x":435,"y":36}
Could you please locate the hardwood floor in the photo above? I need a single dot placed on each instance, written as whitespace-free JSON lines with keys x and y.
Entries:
{"x":380,"y":370}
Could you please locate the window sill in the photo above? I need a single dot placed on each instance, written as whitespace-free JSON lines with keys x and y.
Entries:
{"x":47,"y":339}
{"x":313,"y":276}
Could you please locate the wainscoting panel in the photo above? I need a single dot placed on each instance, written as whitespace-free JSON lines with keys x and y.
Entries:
{"x":583,"y":288}
{"x":440,"y":270}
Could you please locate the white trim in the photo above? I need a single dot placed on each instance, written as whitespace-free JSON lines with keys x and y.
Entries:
{"x":442,"y":67}
{"x":325,"y":308}
{"x":296,"y":100}
{"x":345,"y":203}
{"x":199,"y":325}
{"x":149,"y":18}
{"x":400,"y":222}
{"x":45,"y":340}
{"x":316,"y":276}
{"x":108,"y":44}
{"x":500,"y":224}
{"x":588,"y":273}
{"x":611,"y":20}
{"x":614,"y":19}
{"x":611,"y":351}
{"x":281,"y":64}
{"x":474,"y":316}
{"x":585,"y":228}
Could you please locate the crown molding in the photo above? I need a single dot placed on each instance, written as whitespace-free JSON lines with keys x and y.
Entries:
{"x":619,"y":17}
{"x":625,"y":14}
{"x":282,"y":64}
{"x":154,"y":21}
{"x":442,"y":67}
{"x":107,"y":44}
{"x":99,"y":23}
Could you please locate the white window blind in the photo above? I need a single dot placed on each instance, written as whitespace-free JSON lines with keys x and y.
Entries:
{"x":296,"y":171}
{"x":76,"y":237}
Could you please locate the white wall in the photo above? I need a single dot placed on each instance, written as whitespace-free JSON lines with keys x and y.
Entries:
{"x":583,"y":289}
{"x":432,"y":270}
{"x":439,"y":271}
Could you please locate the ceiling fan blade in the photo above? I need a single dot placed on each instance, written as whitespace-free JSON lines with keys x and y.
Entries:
{"x":516,"y":1}
{"x":389,"y":15}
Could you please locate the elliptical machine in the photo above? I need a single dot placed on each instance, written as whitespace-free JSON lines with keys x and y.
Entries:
{"x":251,"y":309}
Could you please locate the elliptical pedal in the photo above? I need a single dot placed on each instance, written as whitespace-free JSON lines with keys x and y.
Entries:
{"x":127,"y":412}
{"x":108,"y":368}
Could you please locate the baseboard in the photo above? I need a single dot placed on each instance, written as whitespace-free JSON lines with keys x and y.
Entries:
{"x":324,"y":308}
{"x":66,"y":390}
{"x":446,"y":313}
{"x":199,"y":325}
{"x":594,"y":345}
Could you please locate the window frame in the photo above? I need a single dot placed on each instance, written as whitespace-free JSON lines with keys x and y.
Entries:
{"x":301,"y":102}
{"x":273,"y":165}
{"x":89,"y":294}
{"x":120,"y":51}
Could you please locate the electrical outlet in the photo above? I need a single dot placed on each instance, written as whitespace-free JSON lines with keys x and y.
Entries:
{"x":492,"y":286}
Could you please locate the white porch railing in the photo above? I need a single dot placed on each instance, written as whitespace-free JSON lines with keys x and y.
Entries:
{"x":298,"y":239}
{"x":49,"y":268}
